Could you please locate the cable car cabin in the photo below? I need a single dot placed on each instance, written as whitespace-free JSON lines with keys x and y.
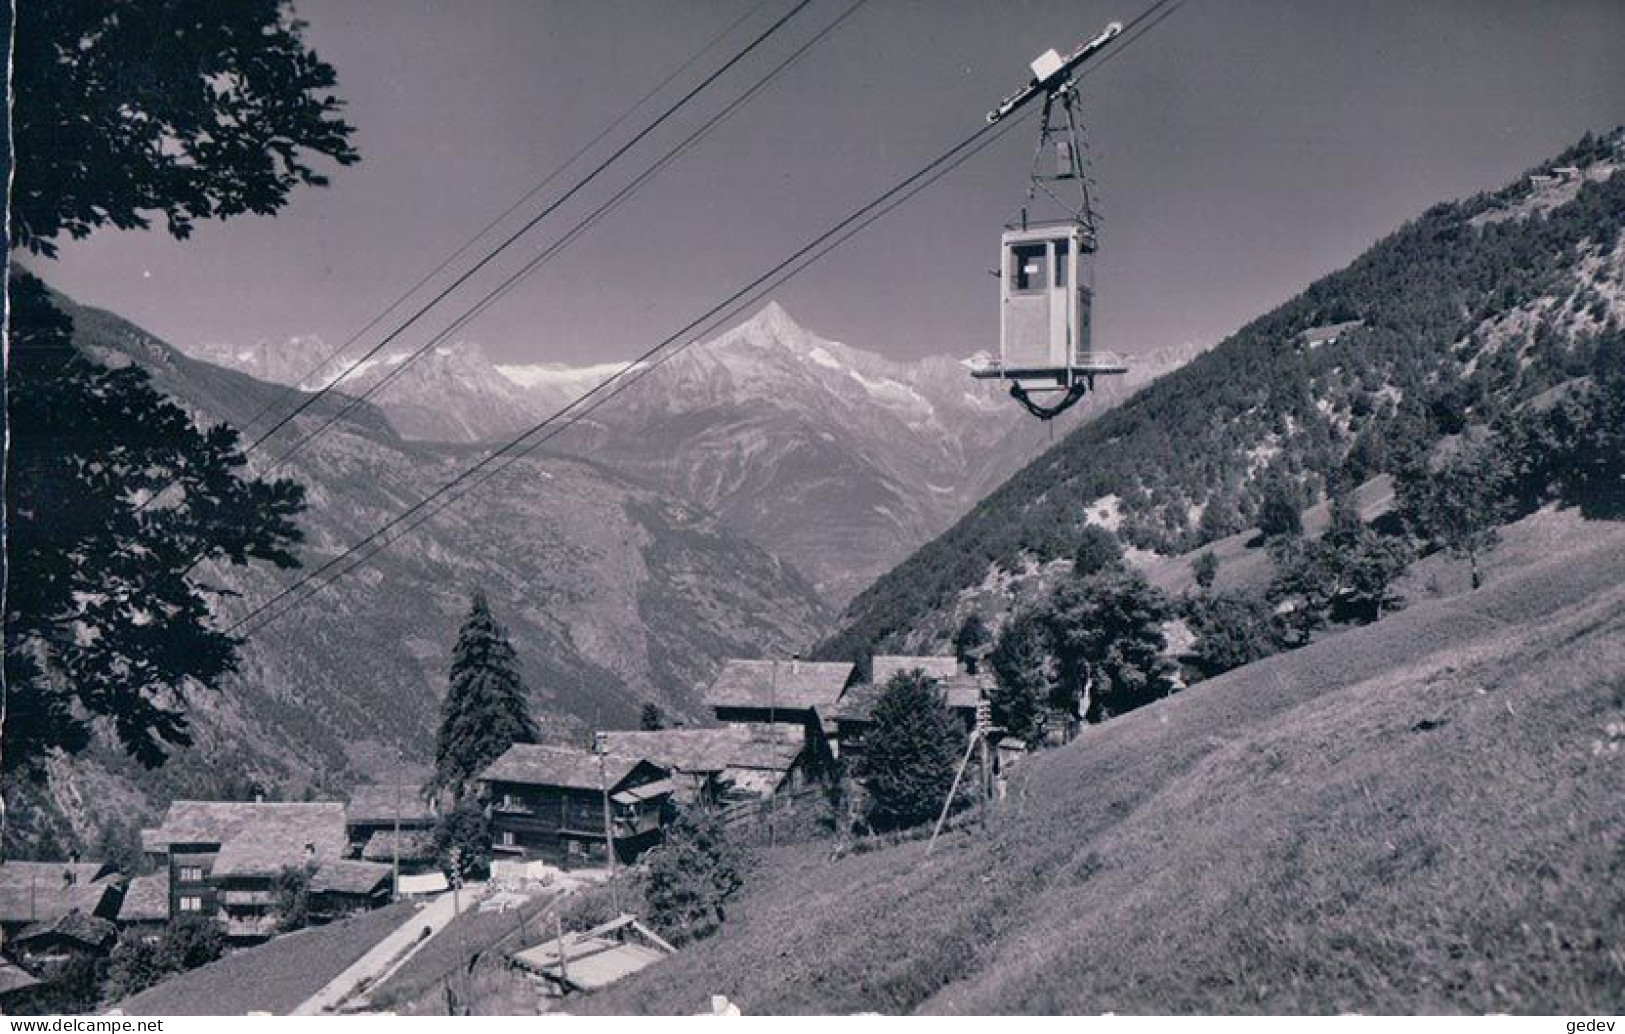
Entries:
{"x":1046,"y":289}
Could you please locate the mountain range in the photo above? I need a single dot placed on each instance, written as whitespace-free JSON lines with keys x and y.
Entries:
{"x":614,"y":594}
{"x":837,"y":459}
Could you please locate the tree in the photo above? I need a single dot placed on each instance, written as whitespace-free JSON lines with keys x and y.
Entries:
{"x":1206,"y":569}
{"x":186,"y":109}
{"x":126,"y":108}
{"x":692,"y":875}
{"x":1457,"y":504}
{"x":109,"y":616}
{"x":651,"y":719}
{"x":1106,"y":631}
{"x":1098,"y":550}
{"x":464,"y":832}
{"x":970,"y":642}
{"x":911,"y":753}
{"x":291,"y":909}
{"x":137,"y":962}
{"x":1231,"y":630}
{"x":1278,"y":511}
{"x":486,"y":709}
{"x":1024,"y":675}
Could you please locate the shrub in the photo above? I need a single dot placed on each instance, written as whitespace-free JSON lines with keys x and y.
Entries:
{"x":692,"y":876}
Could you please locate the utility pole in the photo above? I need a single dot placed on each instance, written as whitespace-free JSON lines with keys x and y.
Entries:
{"x":984,"y":724}
{"x":600,"y":748}
{"x":395,"y":853}
{"x":773,"y":728}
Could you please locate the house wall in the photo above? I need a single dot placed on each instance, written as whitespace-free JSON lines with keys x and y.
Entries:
{"x":181,"y":859}
{"x":562,"y":826}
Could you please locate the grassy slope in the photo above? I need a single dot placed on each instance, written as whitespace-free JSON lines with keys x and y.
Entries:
{"x":1413,"y":816}
{"x":274,"y":977}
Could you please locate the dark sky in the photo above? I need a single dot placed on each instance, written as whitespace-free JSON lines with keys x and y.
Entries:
{"x":1242,"y":149}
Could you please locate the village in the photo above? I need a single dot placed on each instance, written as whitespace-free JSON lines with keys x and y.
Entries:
{"x":558,"y":818}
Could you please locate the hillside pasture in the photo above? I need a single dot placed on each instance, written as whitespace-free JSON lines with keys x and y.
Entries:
{"x":1421,"y":815}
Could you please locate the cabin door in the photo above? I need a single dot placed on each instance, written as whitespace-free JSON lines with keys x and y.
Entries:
{"x":1037,"y":334}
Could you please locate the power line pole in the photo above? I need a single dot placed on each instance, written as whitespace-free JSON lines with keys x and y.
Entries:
{"x":600,"y":748}
{"x":395,"y":853}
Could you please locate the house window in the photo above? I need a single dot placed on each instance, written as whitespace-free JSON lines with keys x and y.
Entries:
{"x":510,"y":801}
{"x":576,"y":847}
{"x":1062,"y":249}
{"x":191,"y":874}
{"x":506,"y":838}
{"x":191,"y":903}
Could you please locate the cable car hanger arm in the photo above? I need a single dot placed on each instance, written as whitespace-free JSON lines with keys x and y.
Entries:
{"x":1051,"y":73}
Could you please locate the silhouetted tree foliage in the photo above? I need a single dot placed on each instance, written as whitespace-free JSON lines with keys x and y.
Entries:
{"x":108,"y":614}
{"x":486,"y":709}
{"x":692,"y":876}
{"x":291,"y":908}
{"x":126,"y":108}
{"x":910,"y":754}
{"x":652,"y":718}
{"x":1279,"y":513}
{"x":186,"y":109}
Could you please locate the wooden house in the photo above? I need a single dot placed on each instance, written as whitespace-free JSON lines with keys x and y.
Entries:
{"x":347,"y":886}
{"x":224,"y":858}
{"x":72,"y":935}
{"x":772,"y":696}
{"x":43,"y":892}
{"x":145,"y":908}
{"x":853,"y":717}
{"x":376,"y":808}
{"x":547,"y":803}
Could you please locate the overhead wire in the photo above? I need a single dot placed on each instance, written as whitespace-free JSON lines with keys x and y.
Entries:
{"x":816,"y":248}
{"x":490,"y":256}
{"x":502,"y":216}
{"x":615,"y":201}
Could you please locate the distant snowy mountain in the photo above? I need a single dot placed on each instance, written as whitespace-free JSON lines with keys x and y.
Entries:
{"x":838,"y":459}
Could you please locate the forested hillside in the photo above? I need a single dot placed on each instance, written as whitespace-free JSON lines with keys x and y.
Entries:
{"x":1465,"y":313}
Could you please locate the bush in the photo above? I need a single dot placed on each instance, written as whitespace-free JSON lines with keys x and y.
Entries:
{"x":1206,"y":569}
{"x":1231,"y":630}
{"x":692,"y":876}
{"x":1098,"y":550}
{"x":1278,"y":512}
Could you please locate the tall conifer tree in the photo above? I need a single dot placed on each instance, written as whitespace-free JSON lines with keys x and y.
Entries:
{"x":486,"y":709}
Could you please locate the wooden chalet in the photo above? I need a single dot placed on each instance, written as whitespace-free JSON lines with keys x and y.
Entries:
{"x":772,"y":696}
{"x":69,"y":936}
{"x":374,"y":808}
{"x":223,"y":858}
{"x":145,"y":908}
{"x":547,"y":803}
{"x":44,"y":892}
{"x":347,"y":886}
{"x":853,"y":716}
